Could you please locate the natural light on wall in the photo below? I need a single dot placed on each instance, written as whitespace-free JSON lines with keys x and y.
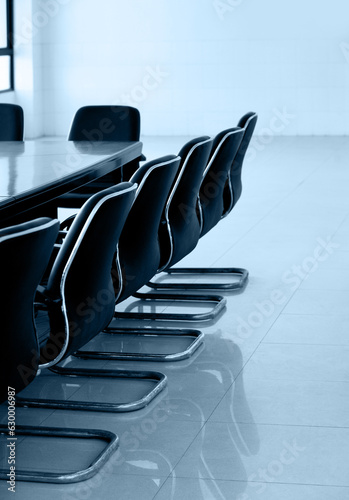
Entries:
{"x":5,"y":82}
{"x":3,"y":25}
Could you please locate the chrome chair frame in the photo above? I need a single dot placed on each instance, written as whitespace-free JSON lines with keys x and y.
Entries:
{"x":235,"y":272}
{"x":69,"y":477}
{"x":218,"y":302}
{"x":67,"y":258}
{"x":28,"y":246}
{"x":159,"y":335}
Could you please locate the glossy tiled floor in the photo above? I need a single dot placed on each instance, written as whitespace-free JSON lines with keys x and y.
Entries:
{"x":262,"y":410}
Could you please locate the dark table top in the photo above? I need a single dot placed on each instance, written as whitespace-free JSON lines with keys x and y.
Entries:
{"x":35,"y":172}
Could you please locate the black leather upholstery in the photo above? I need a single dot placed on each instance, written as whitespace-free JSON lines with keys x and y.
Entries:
{"x":81,"y":279}
{"x":105,"y":123}
{"x":108,"y":123}
{"x":220,"y":190}
{"x":139,"y":250}
{"x":25,"y":250}
{"x":224,"y":149}
{"x":233,"y":189}
{"x":183,"y":207}
{"x":11,"y":122}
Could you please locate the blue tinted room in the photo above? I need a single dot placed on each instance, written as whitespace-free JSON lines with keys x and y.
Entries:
{"x":174,"y":249}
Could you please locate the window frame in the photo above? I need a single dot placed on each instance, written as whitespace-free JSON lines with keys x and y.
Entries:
{"x":8,"y":50}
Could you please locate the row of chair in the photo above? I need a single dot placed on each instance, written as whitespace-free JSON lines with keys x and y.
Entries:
{"x":122,"y":236}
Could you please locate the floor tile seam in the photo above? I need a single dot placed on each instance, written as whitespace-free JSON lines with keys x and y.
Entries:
{"x":327,"y":289}
{"x":333,"y":315}
{"x":261,"y":342}
{"x":302,"y":379}
{"x":306,"y":178}
{"x":283,"y":307}
{"x":26,"y":409}
{"x":162,"y":485}
{"x":188,"y":447}
{"x":257,"y":346}
{"x":251,"y":228}
{"x":48,"y":416}
{"x":307,"y":344}
{"x":307,"y":314}
{"x":321,"y":485}
{"x":70,"y":397}
{"x":276,"y":424}
{"x":142,"y":476}
{"x":267,"y":214}
{"x":346,"y":218}
{"x":188,"y":420}
{"x":229,"y":388}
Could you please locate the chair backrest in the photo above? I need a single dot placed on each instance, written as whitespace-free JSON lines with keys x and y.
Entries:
{"x":80,"y":290}
{"x":25,"y":250}
{"x":105,"y":123}
{"x":233,"y":190}
{"x":11,"y":122}
{"x":182,"y":208}
{"x":139,"y":249}
{"x":224,"y":148}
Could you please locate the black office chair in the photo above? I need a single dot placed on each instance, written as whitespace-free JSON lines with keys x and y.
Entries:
{"x":182,"y":213}
{"x":233,"y":187}
{"x":11,"y":122}
{"x":211,"y":207}
{"x":181,"y":227}
{"x":79,"y":299}
{"x":24,"y":253}
{"x":138,"y":260}
{"x":224,"y":150}
{"x":140,"y":253}
{"x":97,"y":124}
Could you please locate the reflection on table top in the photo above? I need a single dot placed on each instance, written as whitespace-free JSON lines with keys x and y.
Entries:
{"x":58,"y":147}
{"x":26,"y":167}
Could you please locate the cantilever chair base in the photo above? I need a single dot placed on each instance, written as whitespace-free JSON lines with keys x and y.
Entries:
{"x":134,"y":342}
{"x":218,"y":301}
{"x":68,"y":477}
{"x":231,"y":271}
{"x":156,"y":379}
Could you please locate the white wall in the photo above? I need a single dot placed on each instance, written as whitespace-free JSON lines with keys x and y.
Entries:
{"x":27,"y":69}
{"x":195,"y":66}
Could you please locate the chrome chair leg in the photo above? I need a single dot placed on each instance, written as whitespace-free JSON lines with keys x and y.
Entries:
{"x":112,"y":443}
{"x":241,"y":273}
{"x":217,"y":301}
{"x":157,"y":380}
{"x":133,"y":342}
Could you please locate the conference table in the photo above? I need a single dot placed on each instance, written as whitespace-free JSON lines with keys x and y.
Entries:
{"x":33,"y":173}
